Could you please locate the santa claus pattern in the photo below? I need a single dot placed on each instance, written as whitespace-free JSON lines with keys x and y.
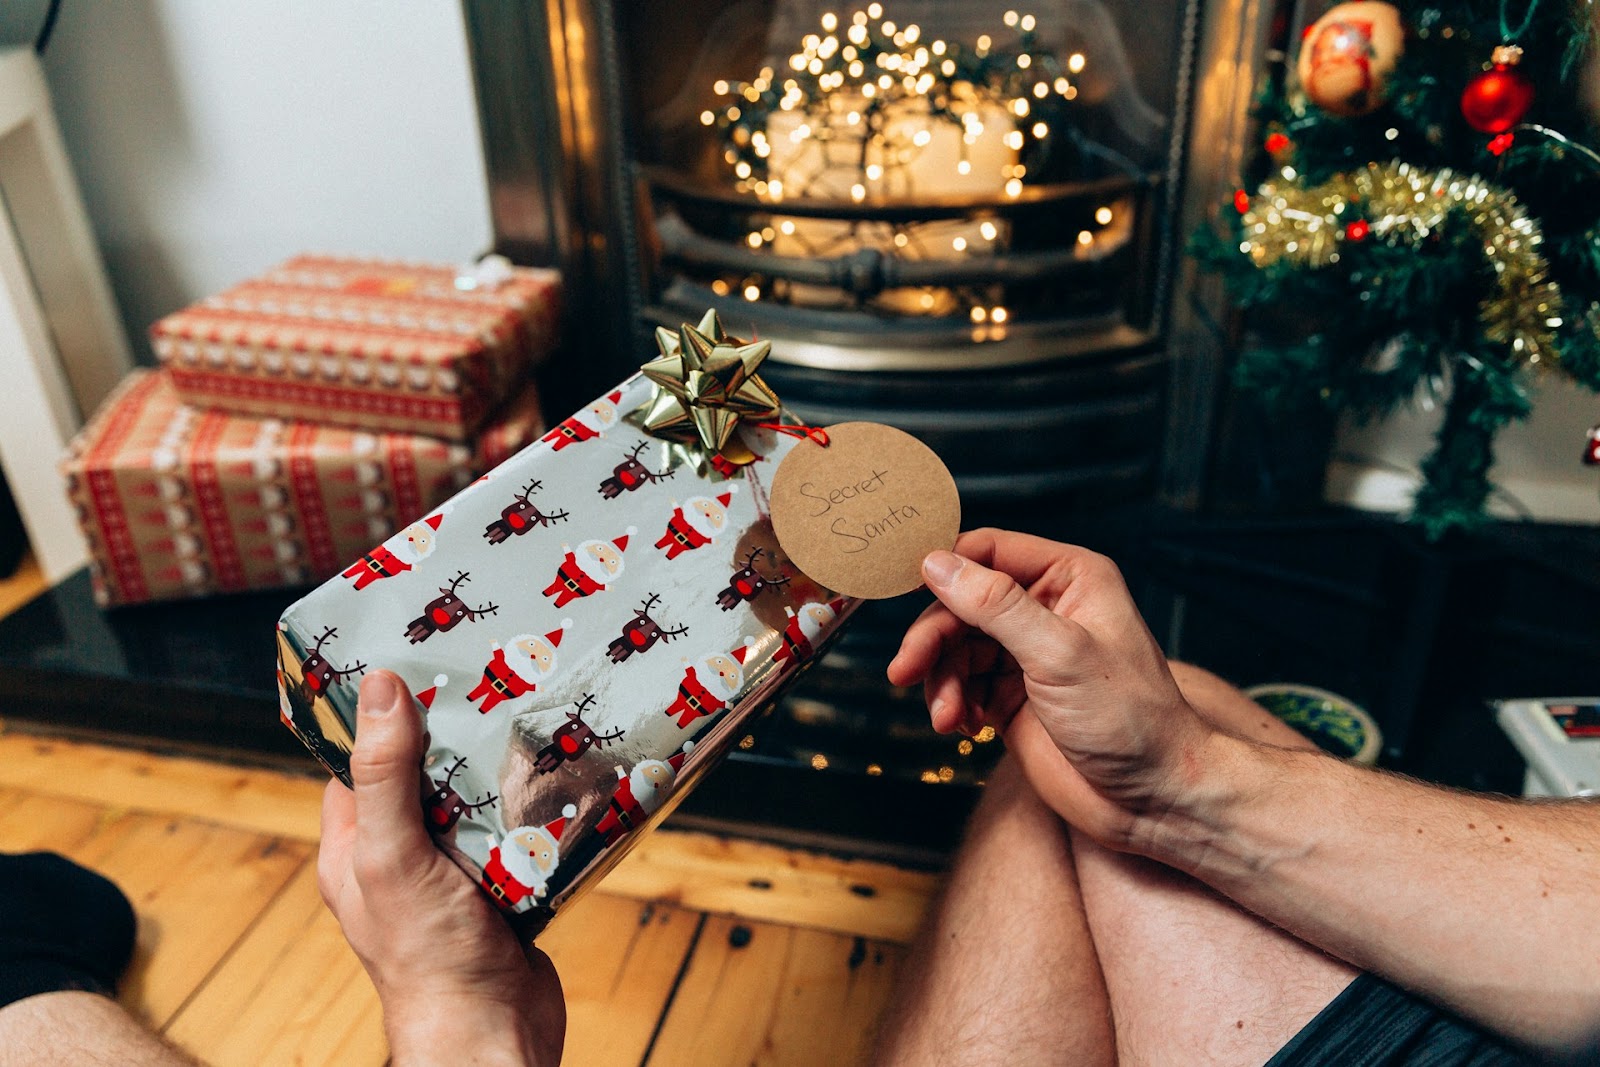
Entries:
{"x":586,"y":425}
{"x":696,"y":523}
{"x":516,"y":670}
{"x":805,"y":628}
{"x":610,"y":672}
{"x":709,"y":684}
{"x":397,"y":555}
{"x":639,"y":793}
{"x":520,"y":866}
{"x":588,"y":569}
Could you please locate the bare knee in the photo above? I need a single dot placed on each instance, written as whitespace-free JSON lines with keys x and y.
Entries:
{"x":1226,"y":707}
{"x":1009,"y":799}
{"x":71,"y":1026}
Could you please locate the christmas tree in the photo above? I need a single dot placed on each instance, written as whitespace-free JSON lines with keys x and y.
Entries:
{"x":1424,"y":217}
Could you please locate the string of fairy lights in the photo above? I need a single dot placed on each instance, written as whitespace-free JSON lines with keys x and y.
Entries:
{"x":866,"y":110}
{"x":942,"y":774}
{"x":879,"y":90}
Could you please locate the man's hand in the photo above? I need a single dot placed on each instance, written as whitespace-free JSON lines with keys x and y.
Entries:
{"x":1042,"y":641}
{"x":455,"y":984}
{"x":1487,"y":903}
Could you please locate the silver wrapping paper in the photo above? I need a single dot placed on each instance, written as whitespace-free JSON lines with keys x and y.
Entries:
{"x":590,"y":627}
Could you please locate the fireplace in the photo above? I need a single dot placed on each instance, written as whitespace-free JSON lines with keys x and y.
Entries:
{"x":960,"y":217}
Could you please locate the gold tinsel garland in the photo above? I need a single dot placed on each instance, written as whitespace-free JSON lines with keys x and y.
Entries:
{"x":1401,"y":204}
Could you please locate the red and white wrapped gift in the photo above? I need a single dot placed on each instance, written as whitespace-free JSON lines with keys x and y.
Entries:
{"x":177,"y":501}
{"x":371,"y":344}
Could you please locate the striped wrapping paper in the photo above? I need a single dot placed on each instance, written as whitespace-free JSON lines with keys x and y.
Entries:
{"x":176,"y":501}
{"x":370,"y":344}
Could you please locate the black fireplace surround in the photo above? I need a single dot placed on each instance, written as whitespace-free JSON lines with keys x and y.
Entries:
{"x":599,"y":162}
{"x":1091,"y":416}
{"x":1423,"y":635}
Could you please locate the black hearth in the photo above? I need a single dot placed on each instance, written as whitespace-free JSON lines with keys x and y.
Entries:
{"x":1422,"y":635}
{"x":955,"y":218}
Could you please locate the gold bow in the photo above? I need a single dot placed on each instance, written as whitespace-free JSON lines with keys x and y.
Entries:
{"x":705,"y":383}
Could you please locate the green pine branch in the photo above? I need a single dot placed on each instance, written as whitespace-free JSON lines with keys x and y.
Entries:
{"x":1393,"y":317}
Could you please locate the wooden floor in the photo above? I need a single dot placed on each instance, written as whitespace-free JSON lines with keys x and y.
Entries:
{"x":695,"y":950}
{"x":22,"y":586}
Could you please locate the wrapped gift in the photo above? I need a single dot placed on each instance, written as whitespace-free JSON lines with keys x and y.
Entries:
{"x":371,"y":344}
{"x":176,"y":501}
{"x":589,"y":628}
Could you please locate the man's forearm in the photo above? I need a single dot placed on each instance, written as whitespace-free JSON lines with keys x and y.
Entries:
{"x":1486,"y":905}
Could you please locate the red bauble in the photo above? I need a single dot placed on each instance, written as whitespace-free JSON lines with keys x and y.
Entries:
{"x":1358,"y":230}
{"x":1497,"y":99}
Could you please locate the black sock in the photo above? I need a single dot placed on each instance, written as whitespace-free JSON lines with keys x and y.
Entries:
{"x":61,"y":927}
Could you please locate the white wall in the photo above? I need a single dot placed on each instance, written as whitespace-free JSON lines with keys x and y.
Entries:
{"x":1538,"y":463}
{"x":213,"y":138}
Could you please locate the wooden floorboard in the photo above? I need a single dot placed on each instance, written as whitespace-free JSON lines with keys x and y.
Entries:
{"x":246,"y":798}
{"x":619,"y":960}
{"x":196,"y":889}
{"x":803,"y":996}
{"x":702,"y":872}
{"x":31,"y":823}
{"x":21,"y":587}
{"x":752,"y":880}
{"x":695,"y":950}
{"x":289,"y":991}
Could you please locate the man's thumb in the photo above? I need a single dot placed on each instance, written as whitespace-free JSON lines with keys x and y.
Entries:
{"x":993,"y":602}
{"x":384,"y":765}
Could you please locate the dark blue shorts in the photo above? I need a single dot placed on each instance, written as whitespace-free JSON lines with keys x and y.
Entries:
{"x":1375,"y":1024}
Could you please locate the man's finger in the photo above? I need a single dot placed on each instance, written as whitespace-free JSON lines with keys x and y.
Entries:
{"x":1040,"y":641}
{"x":945,"y":689}
{"x":384,"y":768}
{"x":1068,"y":579}
{"x":338,"y":816}
{"x":338,"y":832}
{"x":925,"y":641}
{"x":1023,"y":556}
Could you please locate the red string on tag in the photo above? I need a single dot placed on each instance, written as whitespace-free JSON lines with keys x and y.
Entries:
{"x":815,"y":433}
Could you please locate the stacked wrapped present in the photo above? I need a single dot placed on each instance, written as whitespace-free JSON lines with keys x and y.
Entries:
{"x":303,"y":417}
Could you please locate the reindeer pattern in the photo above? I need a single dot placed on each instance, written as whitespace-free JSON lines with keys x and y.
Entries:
{"x":572,"y":739}
{"x":445,"y":806}
{"x":520,"y":516}
{"x":748,"y":583}
{"x":631,"y":474}
{"x":446,"y":612}
{"x":641,"y":633}
{"x":320,"y":673}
